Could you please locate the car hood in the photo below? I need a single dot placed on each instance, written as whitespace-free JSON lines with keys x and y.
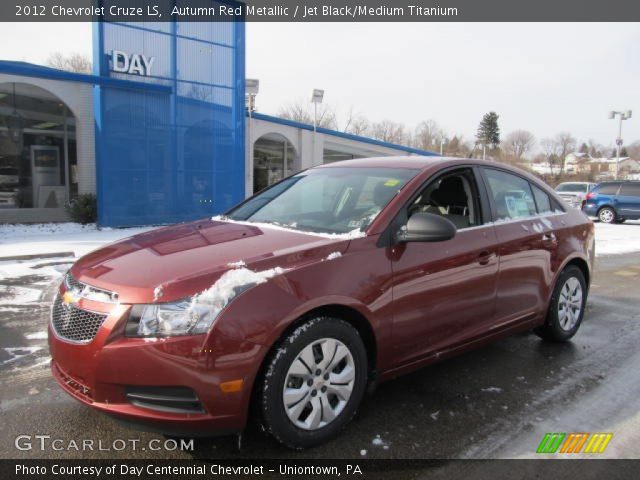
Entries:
{"x":174,"y":262}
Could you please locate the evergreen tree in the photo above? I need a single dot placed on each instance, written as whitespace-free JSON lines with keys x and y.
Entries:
{"x":584,"y":148}
{"x":623,"y":152}
{"x":488,"y":130}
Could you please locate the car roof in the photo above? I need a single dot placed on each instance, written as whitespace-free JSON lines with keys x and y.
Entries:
{"x":409,"y":162}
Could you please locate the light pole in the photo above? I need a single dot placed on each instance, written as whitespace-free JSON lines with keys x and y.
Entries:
{"x":316,"y":97}
{"x":622,"y":115}
{"x":251,"y":89}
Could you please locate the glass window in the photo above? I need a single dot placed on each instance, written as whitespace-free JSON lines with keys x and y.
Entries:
{"x":511,"y":194}
{"x":451,"y":196}
{"x":543,"y":202}
{"x":572,"y":187}
{"x":328,"y":200}
{"x":38,"y":158}
{"x":608,"y":188}
{"x":630,"y":189}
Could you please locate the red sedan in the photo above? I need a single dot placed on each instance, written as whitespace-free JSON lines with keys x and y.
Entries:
{"x":297,"y":299}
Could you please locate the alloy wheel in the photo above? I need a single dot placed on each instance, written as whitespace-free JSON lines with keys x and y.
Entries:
{"x":319,"y":383}
{"x":606,"y":215}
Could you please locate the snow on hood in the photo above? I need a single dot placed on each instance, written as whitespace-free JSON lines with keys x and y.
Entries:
{"x":355,"y":233}
{"x":230,"y":284}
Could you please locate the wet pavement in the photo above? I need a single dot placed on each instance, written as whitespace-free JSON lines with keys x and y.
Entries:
{"x":495,"y":402}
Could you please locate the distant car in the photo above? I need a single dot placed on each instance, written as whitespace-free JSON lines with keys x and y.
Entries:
{"x":614,"y":202}
{"x":574,"y":193}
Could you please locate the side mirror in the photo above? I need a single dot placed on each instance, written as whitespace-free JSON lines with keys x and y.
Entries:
{"x":426,"y":227}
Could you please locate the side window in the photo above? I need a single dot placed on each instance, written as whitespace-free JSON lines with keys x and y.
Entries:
{"x":630,"y":189}
{"x":608,"y":189}
{"x":453,"y":196}
{"x":511,"y":195}
{"x":542,"y":199}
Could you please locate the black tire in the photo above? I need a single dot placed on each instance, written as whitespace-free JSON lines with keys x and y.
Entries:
{"x":607,"y":215}
{"x":270,"y":395}
{"x":552,"y":329}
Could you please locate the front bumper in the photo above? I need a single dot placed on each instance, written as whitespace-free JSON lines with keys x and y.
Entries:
{"x":102,"y":372}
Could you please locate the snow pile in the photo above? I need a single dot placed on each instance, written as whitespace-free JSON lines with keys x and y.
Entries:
{"x":355,"y":233}
{"x":333,"y":256}
{"x":614,"y":239}
{"x":230,"y":284}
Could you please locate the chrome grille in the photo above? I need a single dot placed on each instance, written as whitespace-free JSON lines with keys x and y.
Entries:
{"x":75,"y":324}
{"x":89,"y":292}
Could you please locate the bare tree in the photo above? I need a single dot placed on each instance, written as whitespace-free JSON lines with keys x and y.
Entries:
{"x":550,"y":149}
{"x":74,"y":62}
{"x":634,"y":150}
{"x":301,"y":111}
{"x":518,"y":143}
{"x":389,"y":131}
{"x":566,"y":144}
{"x":355,"y":123}
{"x":427,"y":135}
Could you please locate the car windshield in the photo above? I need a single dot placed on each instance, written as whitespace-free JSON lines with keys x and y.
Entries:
{"x":572,"y":187}
{"x":325,"y":200}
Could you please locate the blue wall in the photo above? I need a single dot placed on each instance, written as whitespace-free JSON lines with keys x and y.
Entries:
{"x":175,"y":151}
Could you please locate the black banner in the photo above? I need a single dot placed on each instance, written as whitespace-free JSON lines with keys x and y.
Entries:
{"x":198,"y":469}
{"x":319,"y":11}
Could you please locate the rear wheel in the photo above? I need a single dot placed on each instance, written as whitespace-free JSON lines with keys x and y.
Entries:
{"x":607,"y":215}
{"x":567,"y":306}
{"x":313,"y":382}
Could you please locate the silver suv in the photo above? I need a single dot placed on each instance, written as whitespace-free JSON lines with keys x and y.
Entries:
{"x":574,"y":193}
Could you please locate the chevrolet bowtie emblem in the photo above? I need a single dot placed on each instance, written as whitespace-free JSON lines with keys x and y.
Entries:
{"x":69,"y":298}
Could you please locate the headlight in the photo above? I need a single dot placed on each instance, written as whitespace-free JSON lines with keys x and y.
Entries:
{"x":169,"y":319}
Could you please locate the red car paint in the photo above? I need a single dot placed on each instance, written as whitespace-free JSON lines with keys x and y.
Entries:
{"x":414,"y":303}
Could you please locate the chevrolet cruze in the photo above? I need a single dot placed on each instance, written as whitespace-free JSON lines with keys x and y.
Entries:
{"x":295,"y":301}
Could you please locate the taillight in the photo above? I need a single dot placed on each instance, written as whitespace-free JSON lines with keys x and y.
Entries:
{"x":590,"y":195}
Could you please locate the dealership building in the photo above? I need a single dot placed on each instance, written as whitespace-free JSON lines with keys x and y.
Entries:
{"x":160,"y":133}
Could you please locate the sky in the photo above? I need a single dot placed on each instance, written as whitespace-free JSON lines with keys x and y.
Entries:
{"x":541,"y":77}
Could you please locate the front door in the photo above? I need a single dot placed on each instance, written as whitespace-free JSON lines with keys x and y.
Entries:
{"x":444,"y":292}
{"x":629,"y":200}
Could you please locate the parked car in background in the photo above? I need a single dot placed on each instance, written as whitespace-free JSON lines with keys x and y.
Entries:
{"x":292,"y":303}
{"x":614,"y":202}
{"x":574,"y":193}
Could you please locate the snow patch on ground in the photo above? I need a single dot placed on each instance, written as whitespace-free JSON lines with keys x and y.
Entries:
{"x":12,"y":295}
{"x":612,"y":239}
{"x":49,"y":238}
{"x":36,"y":336}
{"x":492,"y":390}
{"x":333,"y":256}
{"x":16,"y":353}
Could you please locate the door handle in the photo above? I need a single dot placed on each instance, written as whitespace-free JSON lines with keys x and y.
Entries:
{"x":485,"y":257}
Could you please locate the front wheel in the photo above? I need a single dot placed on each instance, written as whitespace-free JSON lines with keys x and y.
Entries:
{"x":607,"y":215}
{"x":567,"y":306}
{"x":313,"y":383}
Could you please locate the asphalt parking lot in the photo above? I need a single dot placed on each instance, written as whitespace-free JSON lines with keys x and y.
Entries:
{"x":496,"y":402}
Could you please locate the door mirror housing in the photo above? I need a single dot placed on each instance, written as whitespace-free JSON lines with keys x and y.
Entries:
{"x":426,"y":227}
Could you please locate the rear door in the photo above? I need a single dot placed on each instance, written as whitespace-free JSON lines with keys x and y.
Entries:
{"x":526,"y":244}
{"x":629,"y":200}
